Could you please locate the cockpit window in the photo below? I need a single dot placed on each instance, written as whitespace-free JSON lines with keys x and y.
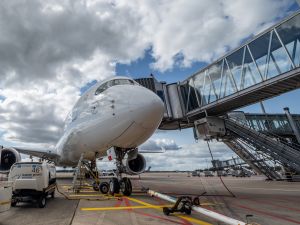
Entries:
{"x":122,"y":82}
{"x":102,"y":88}
{"x":111,"y":83}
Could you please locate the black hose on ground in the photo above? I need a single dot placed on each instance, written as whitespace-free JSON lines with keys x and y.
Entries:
{"x":212,"y":158}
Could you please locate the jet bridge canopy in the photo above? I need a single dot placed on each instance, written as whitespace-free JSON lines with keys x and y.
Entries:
{"x":264,"y":67}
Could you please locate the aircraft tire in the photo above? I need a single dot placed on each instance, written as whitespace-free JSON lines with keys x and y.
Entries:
{"x":166,"y":211}
{"x":104,"y":187}
{"x":13,"y":204}
{"x":114,"y":186}
{"x":95,"y":186}
{"x":42,"y":201}
{"x":126,"y":186}
{"x":188,"y":210}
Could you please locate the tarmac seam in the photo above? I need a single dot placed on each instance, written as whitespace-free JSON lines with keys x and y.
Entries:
{"x":271,"y":204}
{"x":74,"y":213}
{"x":267,"y":213}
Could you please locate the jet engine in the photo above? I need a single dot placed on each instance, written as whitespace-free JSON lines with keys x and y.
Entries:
{"x":135,"y":165}
{"x":8,"y":156}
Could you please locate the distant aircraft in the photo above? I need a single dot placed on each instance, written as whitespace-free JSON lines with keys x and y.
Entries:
{"x":116,"y":115}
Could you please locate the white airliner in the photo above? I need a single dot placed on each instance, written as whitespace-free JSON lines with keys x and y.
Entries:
{"x":116,"y":115}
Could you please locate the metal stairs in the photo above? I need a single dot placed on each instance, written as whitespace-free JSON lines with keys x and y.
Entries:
{"x":78,"y":176}
{"x":259,"y":165}
{"x":287,"y":155}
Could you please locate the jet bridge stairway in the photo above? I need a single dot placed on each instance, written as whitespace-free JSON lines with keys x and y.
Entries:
{"x":287,"y":155}
{"x":255,"y":161}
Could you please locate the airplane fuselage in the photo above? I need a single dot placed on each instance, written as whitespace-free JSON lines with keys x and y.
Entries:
{"x":117,"y":112}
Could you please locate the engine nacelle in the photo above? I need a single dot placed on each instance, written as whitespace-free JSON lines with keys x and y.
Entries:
{"x":8,"y":156}
{"x":135,"y":165}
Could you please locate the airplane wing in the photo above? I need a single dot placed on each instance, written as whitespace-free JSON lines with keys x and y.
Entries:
{"x":40,"y":153}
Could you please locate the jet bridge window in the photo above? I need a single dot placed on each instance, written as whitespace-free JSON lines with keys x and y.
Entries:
{"x":111,"y":83}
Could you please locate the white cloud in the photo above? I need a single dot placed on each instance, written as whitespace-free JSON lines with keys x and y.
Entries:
{"x":48,"y":51}
{"x":159,"y":145}
{"x":204,"y":30}
{"x":190,"y":157}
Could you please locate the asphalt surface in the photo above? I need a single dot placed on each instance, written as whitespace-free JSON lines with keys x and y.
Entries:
{"x":269,"y":202}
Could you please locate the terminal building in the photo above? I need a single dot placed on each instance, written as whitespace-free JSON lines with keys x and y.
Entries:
{"x":266,"y":66}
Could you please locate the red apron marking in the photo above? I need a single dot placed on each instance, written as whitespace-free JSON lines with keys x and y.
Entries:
{"x":119,"y":202}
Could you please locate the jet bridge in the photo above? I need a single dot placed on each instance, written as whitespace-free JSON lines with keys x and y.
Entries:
{"x":171,"y":96}
{"x":266,"y":66}
{"x":262,"y":68}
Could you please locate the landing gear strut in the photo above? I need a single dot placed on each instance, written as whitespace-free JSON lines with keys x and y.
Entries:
{"x":119,"y":183}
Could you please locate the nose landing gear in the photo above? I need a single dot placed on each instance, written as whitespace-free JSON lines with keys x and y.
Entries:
{"x":123,"y":185}
{"x":126,"y":186}
{"x":114,"y":186}
{"x":119,"y":183}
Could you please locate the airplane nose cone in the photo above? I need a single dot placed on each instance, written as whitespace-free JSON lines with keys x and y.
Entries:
{"x":147,"y":108}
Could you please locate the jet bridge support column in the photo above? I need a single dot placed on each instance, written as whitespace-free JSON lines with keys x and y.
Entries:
{"x":292,"y":123}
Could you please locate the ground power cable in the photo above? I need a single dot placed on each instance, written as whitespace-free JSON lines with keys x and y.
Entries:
{"x":215,"y":168}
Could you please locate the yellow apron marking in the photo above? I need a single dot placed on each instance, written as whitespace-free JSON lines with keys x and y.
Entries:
{"x":139,"y":201}
{"x":83,"y":191}
{"x":125,"y":207}
{"x":87,"y":195}
{"x":193,"y":220}
{"x":82,"y":187}
{"x":5,"y":202}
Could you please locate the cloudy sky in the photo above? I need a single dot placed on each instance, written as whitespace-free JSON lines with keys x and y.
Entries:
{"x":51,"y":51}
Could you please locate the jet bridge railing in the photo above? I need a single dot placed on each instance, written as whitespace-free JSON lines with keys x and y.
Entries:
{"x":274,"y":123}
{"x":259,"y":62}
